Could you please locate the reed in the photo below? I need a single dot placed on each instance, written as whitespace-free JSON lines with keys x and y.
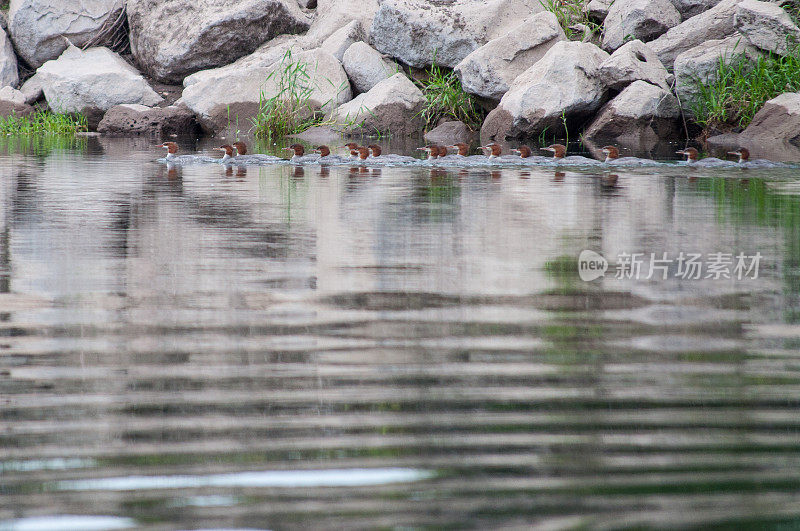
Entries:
{"x":42,"y":122}
{"x":572,"y":19}
{"x":445,"y":98}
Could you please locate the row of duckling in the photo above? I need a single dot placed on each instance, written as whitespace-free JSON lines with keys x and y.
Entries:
{"x":237,"y":153}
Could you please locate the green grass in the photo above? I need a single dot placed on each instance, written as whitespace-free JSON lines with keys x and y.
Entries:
{"x":445,"y":98}
{"x":42,"y":122}
{"x":289,"y":110}
{"x":569,"y":13}
{"x":741,"y":87}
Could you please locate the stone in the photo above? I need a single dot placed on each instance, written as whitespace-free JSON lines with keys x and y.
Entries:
{"x":32,"y":89}
{"x":332,"y":15}
{"x":690,"y":8}
{"x":392,"y":106}
{"x":641,"y":19}
{"x":641,"y":112}
{"x":416,"y":31}
{"x":489,"y":71}
{"x":9,"y":76}
{"x":766,"y":26}
{"x":366,"y":67}
{"x":714,"y":24}
{"x":563,"y":83}
{"x":171,"y":40}
{"x":132,"y":120}
{"x":700,"y":64}
{"x":93,"y":79}
{"x":597,"y":10}
{"x":7,"y":108}
{"x":12,"y":95}
{"x":39,"y":27}
{"x":632,"y":61}
{"x":343,"y":38}
{"x":235,"y":97}
{"x":450,"y":133}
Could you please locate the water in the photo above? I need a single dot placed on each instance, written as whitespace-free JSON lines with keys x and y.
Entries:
{"x":285,"y":348}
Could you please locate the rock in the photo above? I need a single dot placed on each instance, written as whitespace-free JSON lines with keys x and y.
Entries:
{"x":220,"y":100}
{"x":131,"y":120}
{"x":332,"y":15}
{"x":564,"y":82}
{"x":322,"y":134}
{"x":307,"y":4}
{"x":597,"y":9}
{"x":32,"y":89}
{"x":690,"y":8}
{"x":343,"y":38}
{"x":97,"y":78}
{"x":366,"y":67}
{"x":714,"y":24}
{"x":390,"y":107}
{"x":641,"y":19}
{"x":701,"y":63}
{"x":7,"y":108}
{"x":38,"y":27}
{"x":8,"y":62}
{"x":490,"y":70}
{"x":12,"y":95}
{"x":413,"y":31}
{"x":171,"y":40}
{"x":766,"y":26}
{"x":449,"y":133}
{"x":633,"y":61}
{"x":639,"y":113}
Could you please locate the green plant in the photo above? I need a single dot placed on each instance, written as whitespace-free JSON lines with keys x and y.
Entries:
{"x":445,"y":98}
{"x":572,"y":19}
{"x":566,"y":129}
{"x":42,"y":122}
{"x":740,"y":88}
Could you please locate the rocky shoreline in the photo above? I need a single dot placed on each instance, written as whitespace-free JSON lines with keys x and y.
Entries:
{"x":118,"y":62}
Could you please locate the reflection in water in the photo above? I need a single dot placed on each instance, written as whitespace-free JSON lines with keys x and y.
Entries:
{"x":313,"y":347}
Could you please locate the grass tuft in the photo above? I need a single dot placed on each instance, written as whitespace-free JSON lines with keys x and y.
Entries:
{"x":43,"y":122}
{"x":445,"y":98}
{"x":572,"y":19}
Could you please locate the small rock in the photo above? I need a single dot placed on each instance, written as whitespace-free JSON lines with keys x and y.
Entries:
{"x":9,"y":76}
{"x":450,"y":133}
{"x":563,"y":83}
{"x":633,"y":61}
{"x":132,"y":120}
{"x":490,"y":70}
{"x":640,"y":19}
{"x":714,"y":24}
{"x":366,"y":67}
{"x":7,"y":108}
{"x":12,"y":95}
{"x":690,"y":8}
{"x":640,"y":113}
{"x":597,"y":10}
{"x":32,"y":89}
{"x":766,"y":26}
{"x":307,"y":4}
{"x":39,"y":27}
{"x":94,"y":79}
{"x":392,"y":106}
{"x":343,"y":38}
{"x":416,"y":31}
{"x":332,"y":15}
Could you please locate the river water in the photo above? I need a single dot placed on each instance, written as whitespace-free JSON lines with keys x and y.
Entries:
{"x":282,"y":347}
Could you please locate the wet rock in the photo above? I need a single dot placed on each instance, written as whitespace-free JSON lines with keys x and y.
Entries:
{"x":598,"y":9}
{"x":7,"y":108}
{"x":413,"y":31}
{"x":132,"y":120}
{"x":390,"y":107}
{"x":366,"y":67}
{"x":450,"y":133}
{"x":633,"y":61}
{"x":171,"y":40}
{"x":94,"y":79}
{"x":218,"y":101}
{"x":564,"y":82}
{"x":343,"y":38}
{"x":39,"y":27}
{"x":9,"y":77}
{"x":490,"y":70}
{"x":641,"y":112}
{"x":641,"y":19}
{"x":32,"y":89}
{"x":714,"y":24}
{"x":766,"y":26}
{"x":690,"y":8}
{"x":332,"y":15}
{"x":701,"y":63}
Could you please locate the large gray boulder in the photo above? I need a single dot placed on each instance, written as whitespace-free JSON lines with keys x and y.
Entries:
{"x":690,"y":8}
{"x":132,"y":120}
{"x":449,"y":133}
{"x":32,"y":89}
{"x":563,"y":83}
{"x":766,"y":26}
{"x":343,"y":38}
{"x":366,"y":67}
{"x":640,"y":113}
{"x":233,"y":98}
{"x":92,"y":80}
{"x":633,"y":61}
{"x":414,"y":31}
{"x":170,"y":40}
{"x":490,"y":70}
{"x":9,"y":77}
{"x":392,"y":106}
{"x":332,"y":15}
{"x":700,"y":64}
{"x":640,"y":19}
{"x":714,"y":24}
{"x":39,"y":27}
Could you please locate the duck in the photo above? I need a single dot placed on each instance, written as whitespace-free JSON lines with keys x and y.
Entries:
{"x":560,"y":155}
{"x":299,"y":151}
{"x":352,"y":146}
{"x":559,"y":150}
{"x":375,"y":149}
{"x":692,"y":159}
{"x":173,"y":157}
{"x":613,"y":158}
{"x":690,"y":153}
{"x":363,"y":152}
{"x":523,"y":151}
{"x":241,"y":147}
{"x":493,"y":150}
{"x":432,"y":150}
{"x":256,"y":158}
{"x":325,"y":156}
{"x":228,"y":150}
{"x":744,"y":160}
{"x":461,"y":147}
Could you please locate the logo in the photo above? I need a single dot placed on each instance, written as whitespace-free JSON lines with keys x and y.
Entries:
{"x":591,"y":265}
